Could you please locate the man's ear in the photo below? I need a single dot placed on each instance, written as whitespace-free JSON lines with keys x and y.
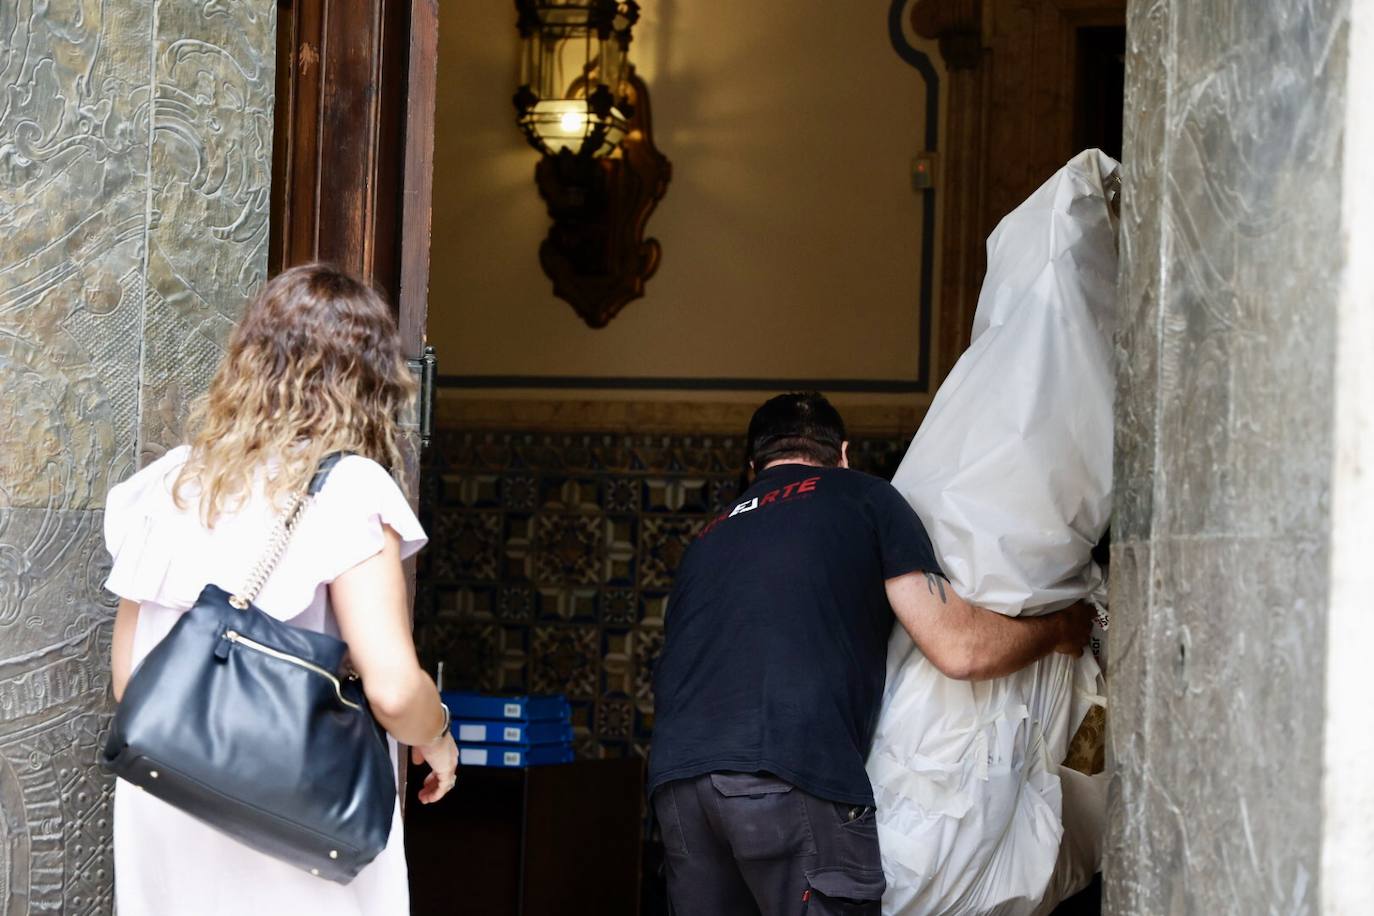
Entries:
{"x":844,"y":454}
{"x":752,"y":469}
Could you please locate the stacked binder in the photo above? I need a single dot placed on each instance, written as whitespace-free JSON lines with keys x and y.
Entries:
{"x":499,"y":731}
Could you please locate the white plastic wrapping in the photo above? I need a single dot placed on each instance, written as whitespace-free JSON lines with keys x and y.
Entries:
{"x":1011,"y":474}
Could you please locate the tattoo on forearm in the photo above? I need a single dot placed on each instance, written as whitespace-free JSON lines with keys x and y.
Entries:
{"x":936,"y":583}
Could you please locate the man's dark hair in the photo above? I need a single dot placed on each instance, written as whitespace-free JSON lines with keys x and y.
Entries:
{"x":800,"y":424}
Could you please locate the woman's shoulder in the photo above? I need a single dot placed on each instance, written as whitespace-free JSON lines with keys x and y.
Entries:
{"x":148,"y":489}
{"x":358,"y":500}
{"x":360,"y":488}
{"x":163,"y":471}
{"x":144,"y":532}
{"x":361,"y":475}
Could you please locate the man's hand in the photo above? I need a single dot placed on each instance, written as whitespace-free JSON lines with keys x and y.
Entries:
{"x":1076,"y":621}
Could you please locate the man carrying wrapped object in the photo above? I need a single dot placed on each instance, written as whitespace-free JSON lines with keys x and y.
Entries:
{"x":1011,"y":473}
{"x":769,"y":684}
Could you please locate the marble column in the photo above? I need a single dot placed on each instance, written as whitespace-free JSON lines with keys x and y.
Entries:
{"x":135,"y":161}
{"x":1235,"y":696}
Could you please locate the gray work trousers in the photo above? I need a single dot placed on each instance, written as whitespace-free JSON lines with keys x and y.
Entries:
{"x":745,"y":844}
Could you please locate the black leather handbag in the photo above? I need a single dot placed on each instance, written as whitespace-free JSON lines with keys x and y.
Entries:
{"x":248,"y":724}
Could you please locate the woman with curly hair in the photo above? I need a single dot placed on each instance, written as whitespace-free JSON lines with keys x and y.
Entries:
{"x":314,"y":367}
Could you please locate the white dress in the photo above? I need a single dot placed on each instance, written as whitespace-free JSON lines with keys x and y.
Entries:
{"x":167,"y":863}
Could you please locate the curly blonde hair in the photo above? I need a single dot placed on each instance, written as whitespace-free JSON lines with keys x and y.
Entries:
{"x":315,"y":366}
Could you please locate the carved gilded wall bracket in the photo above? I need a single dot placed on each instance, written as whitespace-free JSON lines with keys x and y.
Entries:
{"x":595,"y":252}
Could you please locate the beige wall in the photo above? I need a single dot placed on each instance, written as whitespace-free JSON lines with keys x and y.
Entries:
{"x":791,"y":234}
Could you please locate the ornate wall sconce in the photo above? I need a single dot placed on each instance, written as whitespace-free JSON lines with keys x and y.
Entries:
{"x":581,"y":105}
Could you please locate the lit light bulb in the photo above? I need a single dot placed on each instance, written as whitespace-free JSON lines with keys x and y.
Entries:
{"x":572,"y":121}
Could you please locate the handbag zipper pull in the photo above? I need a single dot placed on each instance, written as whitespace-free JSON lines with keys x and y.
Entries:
{"x":224,"y":644}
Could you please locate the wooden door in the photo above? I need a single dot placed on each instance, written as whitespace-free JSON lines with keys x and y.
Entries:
{"x":352,"y":161}
{"x":353,"y":151}
{"x":1012,"y":83}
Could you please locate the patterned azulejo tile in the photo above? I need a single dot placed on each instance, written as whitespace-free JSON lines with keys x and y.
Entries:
{"x":665,"y":539}
{"x":565,"y":659}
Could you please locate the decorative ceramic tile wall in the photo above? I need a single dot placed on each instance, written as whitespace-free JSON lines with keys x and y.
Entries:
{"x":552,"y":557}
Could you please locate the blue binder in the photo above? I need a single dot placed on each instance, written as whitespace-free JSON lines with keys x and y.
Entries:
{"x":507,"y":755}
{"x":553,"y":707}
{"x":468,"y":731}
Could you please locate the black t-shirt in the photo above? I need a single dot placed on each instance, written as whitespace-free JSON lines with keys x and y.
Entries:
{"x":776,"y":632}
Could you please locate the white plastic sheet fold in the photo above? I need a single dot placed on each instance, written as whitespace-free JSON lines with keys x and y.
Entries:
{"x":1011,"y":474}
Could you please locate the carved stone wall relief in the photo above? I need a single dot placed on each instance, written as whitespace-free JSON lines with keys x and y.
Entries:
{"x":135,"y":147}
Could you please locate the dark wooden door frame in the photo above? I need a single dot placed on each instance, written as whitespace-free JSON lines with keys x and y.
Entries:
{"x":999,"y":98}
{"x":353,"y":153}
{"x":418,"y":172}
{"x":354,"y":144}
{"x":353,"y":157}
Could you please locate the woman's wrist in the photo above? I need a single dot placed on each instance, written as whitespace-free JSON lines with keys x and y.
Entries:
{"x":444,"y":730}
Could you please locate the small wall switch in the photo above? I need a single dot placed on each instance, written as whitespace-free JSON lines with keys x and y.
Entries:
{"x":923,"y":171}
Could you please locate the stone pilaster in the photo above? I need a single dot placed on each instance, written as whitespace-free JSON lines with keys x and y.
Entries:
{"x":1232,"y":262}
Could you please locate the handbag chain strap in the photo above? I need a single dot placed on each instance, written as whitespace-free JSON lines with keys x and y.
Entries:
{"x":282,"y":531}
{"x":276,"y":546}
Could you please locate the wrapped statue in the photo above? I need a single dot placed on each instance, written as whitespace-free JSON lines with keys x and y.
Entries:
{"x":1011,"y":473}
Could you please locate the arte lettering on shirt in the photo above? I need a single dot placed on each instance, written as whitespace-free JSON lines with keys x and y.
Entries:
{"x":772,"y":498}
{"x":711,"y":525}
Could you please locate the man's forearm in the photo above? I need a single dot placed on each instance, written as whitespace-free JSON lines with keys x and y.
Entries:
{"x":967,"y":642}
{"x":1001,"y":645}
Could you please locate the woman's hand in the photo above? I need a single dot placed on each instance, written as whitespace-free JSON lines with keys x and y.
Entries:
{"x":442,"y":757}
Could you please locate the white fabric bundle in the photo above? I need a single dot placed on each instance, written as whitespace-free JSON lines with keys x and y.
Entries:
{"x":1011,"y":474}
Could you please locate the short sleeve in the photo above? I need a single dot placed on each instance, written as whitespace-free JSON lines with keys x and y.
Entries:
{"x":357,"y":500}
{"x":142,"y":534}
{"x":902,"y":537}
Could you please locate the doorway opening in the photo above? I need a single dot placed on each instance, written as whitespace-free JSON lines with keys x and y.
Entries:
{"x":570,"y":468}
